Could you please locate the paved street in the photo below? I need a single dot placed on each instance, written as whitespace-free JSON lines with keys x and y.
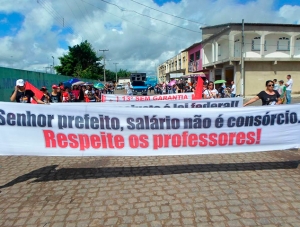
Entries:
{"x":246,"y":189}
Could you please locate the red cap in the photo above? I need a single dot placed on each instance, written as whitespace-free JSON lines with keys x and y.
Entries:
{"x":54,"y":86}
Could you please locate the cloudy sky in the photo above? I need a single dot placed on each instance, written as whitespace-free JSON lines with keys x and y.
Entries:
{"x":139,"y":34}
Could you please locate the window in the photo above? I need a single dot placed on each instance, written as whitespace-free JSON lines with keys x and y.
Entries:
{"x":198,"y":55}
{"x":283,"y":44}
{"x":179,"y":63}
{"x":192,"y":57}
{"x":219,"y":50}
{"x":256,"y":44}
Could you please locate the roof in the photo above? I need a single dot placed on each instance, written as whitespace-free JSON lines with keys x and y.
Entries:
{"x":192,"y":46}
{"x":251,"y":24}
{"x":215,"y":35}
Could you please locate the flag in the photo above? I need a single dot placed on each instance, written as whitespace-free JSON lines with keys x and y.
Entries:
{"x":39,"y":94}
{"x":199,"y":89}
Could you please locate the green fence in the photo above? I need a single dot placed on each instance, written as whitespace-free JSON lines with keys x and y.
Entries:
{"x":9,"y":76}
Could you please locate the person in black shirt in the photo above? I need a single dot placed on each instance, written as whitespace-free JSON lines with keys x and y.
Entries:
{"x":268,"y":97}
{"x":46,"y":97}
{"x":55,"y":96}
{"x":23,"y":95}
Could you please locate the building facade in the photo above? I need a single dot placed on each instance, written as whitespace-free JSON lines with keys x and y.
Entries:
{"x":175,"y":65}
{"x":271,"y":51}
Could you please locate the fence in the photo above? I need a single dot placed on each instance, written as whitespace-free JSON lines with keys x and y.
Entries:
{"x":9,"y":76}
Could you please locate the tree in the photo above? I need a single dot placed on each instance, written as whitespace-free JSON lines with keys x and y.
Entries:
{"x":81,"y":61}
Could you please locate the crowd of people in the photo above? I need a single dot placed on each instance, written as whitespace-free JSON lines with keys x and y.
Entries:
{"x":275,"y":93}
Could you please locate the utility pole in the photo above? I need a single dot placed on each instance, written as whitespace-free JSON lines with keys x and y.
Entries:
{"x":243,"y":60}
{"x":104,"y":65}
{"x":53,"y":65}
{"x":116,"y":73}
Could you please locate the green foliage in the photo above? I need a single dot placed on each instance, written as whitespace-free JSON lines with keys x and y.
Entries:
{"x":81,"y":61}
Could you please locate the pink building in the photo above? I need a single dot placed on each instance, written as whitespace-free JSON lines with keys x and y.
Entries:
{"x":195,"y":61}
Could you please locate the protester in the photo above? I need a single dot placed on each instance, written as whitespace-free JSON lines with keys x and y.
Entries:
{"x":55,"y":96}
{"x":282,"y":91}
{"x":75,"y":93}
{"x":82,"y":94}
{"x":289,"y":86}
{"x":276,"y":85}
{"x":46,"y":96}
{"x":128,"y":89}
{"x":210,"y":92}
{"x":66,"y":95}
{"x":233,"y":89}
{"x":23,"y":95}
{"x":268,"y":97}
{"x":90,"y":94}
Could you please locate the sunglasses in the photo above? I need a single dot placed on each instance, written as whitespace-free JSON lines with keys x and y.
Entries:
{"x":270,"y":85}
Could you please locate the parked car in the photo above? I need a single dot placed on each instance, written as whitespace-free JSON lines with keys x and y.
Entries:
{"x":119,"y":87}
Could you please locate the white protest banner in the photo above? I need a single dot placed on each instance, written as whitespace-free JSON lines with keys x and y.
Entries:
{"x":49,"y":130}
{"x":202,"y":103}
{"x":134,"y":98}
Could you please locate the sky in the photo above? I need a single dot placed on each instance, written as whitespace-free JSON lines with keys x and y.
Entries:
{"x":138,"y":34}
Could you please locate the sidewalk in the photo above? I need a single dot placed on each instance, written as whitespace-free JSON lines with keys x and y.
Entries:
{"x":226,"y":190}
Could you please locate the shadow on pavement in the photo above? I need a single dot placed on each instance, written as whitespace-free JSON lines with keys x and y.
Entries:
{"x":49,"y":173}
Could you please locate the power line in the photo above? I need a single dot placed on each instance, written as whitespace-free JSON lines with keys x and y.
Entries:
{"x":133,"y":23}
{"x":124,"y":9}
{"x":169,"y":13}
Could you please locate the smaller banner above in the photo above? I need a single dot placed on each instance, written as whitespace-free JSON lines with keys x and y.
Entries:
{"x":131,"y":98}
{"x":204,"y":103}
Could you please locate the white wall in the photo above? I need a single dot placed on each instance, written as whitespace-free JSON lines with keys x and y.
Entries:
{"x":224,"y":48}
{"x":297,"y":49}
{"x":207,"y":54}
{"x":271,"y":45}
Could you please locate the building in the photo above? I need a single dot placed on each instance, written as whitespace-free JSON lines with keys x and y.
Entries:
{"x":270,"y":51}
{"x":195,"y":61}
{"x":177,"y":65}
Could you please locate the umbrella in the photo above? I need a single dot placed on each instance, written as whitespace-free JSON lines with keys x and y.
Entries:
{"x":220,"y":81}
{"x":67,"y":84}
{"x":172,"y":83}
{"x":74,"y":80}
{"x":78,"y":83}
{"x":87,"y":83}
{"x":99,"y":85}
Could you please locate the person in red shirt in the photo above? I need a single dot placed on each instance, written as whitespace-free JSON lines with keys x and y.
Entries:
{"x":75,"y":92}
{"x":66,"y":95}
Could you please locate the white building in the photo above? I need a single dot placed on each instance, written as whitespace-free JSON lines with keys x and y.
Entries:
{"x":271,"y":51}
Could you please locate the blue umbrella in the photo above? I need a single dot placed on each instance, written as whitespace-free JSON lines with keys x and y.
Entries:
{"x":67,"y":84}
{"x":99,"y":85}
{"x":72,"y":81}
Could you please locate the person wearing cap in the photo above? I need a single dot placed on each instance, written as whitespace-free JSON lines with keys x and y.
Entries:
{"x":23,"y":95}
{"x":55,"y":96}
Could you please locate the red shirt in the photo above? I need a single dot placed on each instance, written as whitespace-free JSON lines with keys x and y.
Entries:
{"x":76,"y":93}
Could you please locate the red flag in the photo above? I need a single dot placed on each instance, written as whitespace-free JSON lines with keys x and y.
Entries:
{"x":199,"y":89}
{"x":39,"y":94}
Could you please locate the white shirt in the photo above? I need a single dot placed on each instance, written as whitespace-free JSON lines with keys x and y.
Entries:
{"x":290,"y":85}
{"x":233,"y":89}
{"x":211,"y":93}
{"x":128,"y":88}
